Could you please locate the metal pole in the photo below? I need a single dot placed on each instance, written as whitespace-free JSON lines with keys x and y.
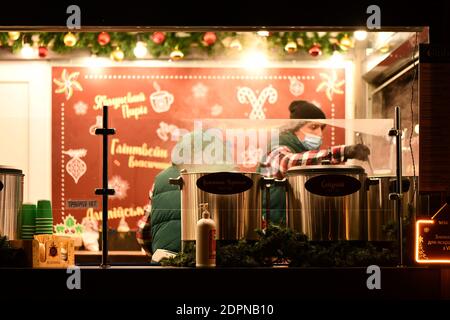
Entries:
{"x":267,"y":206}
{"x":266,"y":185}
{"x":104,"y":191}
{"x":105,"y":197}
{"x":399,"y":183}
{"x":397,"y":196}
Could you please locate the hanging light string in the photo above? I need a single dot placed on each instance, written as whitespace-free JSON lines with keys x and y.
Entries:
{"x":416,"y":44}
{"x":161,"y":44}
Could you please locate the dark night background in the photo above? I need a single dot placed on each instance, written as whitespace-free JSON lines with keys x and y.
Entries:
{"x":435,"y":14}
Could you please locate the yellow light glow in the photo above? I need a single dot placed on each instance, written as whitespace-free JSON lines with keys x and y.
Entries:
{"x":236,"y":45}
{"x":94,"y":62}
{"x":418,"y":260}
{"x":255,"y":60}
{"x":383,"y":37}
{"x":140,"y":50}
{"x":117,"y":55}
{"x":27,"y":51}
{"x":360,"y":35}
{"x":382,"y":41}
{"x":336,"y":57}
{"x":263,"y":33}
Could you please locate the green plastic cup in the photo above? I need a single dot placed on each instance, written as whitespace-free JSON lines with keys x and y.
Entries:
{"x":50,"y":231}
{"x":28,"y":213}
{"x":44,"y":209}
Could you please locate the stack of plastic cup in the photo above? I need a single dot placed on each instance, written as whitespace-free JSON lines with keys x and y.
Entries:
{"x":44,"y":217}
{"x":28,"y":220}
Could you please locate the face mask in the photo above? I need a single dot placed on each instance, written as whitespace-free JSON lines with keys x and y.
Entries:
{"x":311,"y":142}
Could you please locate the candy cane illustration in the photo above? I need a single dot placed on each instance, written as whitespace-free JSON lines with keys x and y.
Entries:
{"x":246,"y":95}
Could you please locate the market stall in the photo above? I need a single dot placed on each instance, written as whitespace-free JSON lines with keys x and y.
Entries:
{"x":263,"y":149}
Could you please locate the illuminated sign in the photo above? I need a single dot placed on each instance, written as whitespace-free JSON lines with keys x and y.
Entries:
{"x":433,"y":238}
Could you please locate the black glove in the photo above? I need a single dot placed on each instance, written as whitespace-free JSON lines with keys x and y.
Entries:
{"x":357,"y":151}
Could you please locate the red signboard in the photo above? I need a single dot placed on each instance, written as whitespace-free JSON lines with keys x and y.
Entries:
{"x":147,"y":105}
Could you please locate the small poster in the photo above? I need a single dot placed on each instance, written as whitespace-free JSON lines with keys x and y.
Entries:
{"x":433,"y":238}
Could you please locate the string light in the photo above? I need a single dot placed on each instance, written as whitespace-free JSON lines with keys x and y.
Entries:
{"x":27,"y":51}
{"x":94,"y":62}
{"x":336,"y":57}
{"x":140,"y":51}
{"x":117,"y":55}
{"x":255,"y":60}
{"x":360,"y":35}
{"x":263,"y":33}
{"x":236,"y":45}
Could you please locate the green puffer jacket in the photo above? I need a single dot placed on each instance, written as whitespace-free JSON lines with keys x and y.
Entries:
{"x":278,"y":193}
{"x":166,"y":223}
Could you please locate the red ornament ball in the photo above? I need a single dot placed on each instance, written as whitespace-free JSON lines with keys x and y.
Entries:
{"x":315,"y":50}
{"x":158,"y":37}
{"x":43,"y":52}
{"x":209,"y":38}
{"x":103,"y":38}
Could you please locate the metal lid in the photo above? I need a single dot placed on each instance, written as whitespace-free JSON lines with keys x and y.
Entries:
{"x":185,"y":172}
{"x":393,"y":176}
{"x":9,"y":170}
{"x":326,"y":169}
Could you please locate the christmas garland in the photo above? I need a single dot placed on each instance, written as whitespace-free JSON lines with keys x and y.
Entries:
{"x":283,"y":246}
{"x":176,"y":45}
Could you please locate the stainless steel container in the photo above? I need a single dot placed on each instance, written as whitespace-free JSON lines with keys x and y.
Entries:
{"x":11,"y":197}
{"x":237,"y":215}
{"x":381,"y":217}
{"x":327,"y":202}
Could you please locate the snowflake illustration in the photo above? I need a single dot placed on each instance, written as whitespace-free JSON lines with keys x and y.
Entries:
{"x":330,"y":85}
{"x":68,"y":83}
{"x":120,"y":186}
{"x":80,"y":108}
{"x":216,"y":110}
{"x":200,"y":90}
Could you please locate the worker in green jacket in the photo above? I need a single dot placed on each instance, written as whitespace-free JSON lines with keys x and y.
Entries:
{"x":165,"y":214}
{"x":299,"y":146}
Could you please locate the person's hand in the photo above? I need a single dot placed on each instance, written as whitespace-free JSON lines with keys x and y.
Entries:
{"x":357,"y":151}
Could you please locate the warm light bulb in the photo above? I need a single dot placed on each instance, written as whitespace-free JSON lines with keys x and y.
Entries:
{"x":360,"y":35}
{"x":27,"y":51}
{"x":117,"y":55}
{"x":140,"y":50}
{"x":336,"y":57}
{"x":94,"y":62}
{"x":263,"y":33}
{"x":255,"y":60}
{"x":236,"y":45}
